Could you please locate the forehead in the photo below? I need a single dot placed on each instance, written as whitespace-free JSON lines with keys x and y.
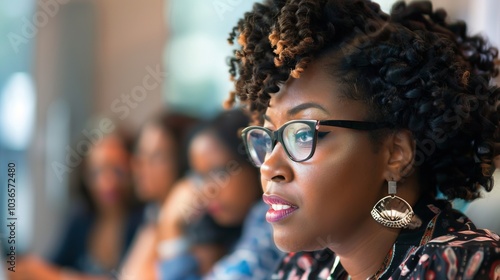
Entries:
{"x":316,"y":86}
{"x":153,"y":136}
{"x":109,"y":149}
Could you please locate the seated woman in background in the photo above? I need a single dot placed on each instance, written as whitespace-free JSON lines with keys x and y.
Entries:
{"x":224,"y":184}
{"x":367,"y":117}
{"x":101,"y":229}
{"x":159,"y":160}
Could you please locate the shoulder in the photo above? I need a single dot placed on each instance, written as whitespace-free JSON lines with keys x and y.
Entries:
{"x":255,"y":255}
{"x":257,"y":215}
{"x":257,"y":236}
{"x":255,"y":226}
{"x":470,"y":254}
{"x":467,"y":239}
{"x":79,"y":220}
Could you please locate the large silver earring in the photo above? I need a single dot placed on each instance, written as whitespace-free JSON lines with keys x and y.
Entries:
{"x":392,"y":211}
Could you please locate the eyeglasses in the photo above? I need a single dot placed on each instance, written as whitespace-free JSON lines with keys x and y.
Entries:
{"x":298,"y":137}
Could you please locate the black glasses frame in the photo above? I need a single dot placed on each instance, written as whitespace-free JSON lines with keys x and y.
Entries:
{"x":277,"y":135}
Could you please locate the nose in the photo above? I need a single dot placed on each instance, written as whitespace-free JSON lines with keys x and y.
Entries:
{"x":276,"y":166}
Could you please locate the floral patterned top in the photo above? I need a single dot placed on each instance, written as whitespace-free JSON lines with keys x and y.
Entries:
{"x":446,"y":246}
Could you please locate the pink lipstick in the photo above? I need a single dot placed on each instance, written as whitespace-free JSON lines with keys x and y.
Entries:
{"x":279,"y":210}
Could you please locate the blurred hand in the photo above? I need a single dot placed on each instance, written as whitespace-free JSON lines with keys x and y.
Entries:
{"x":183,"y":205}
{"x":34,"y":268}
{"x":141,"y":260}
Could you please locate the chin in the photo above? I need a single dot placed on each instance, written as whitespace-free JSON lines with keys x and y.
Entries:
{"x":142,"y":194}
{"x":287,"y":241}
{"x":287,"y":245}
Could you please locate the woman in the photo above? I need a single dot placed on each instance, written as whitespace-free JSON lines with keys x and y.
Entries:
{"x":226,"y":186}
{"x":367,"y":117}
{"x":101,"y":230}
{"x":159,"y":160}
{"x":98,"y":238}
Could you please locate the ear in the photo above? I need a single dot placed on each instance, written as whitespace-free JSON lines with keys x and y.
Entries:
{"x":401,"y":147}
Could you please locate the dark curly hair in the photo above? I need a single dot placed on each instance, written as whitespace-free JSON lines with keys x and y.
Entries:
{"x":413,"y":69}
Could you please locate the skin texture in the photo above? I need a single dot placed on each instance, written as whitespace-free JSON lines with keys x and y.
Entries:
{"x":336,"y":189}
{"x":154,"y":163}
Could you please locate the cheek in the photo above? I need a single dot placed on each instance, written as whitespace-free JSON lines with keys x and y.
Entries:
{"x":336,"y":192}
{"x":351,"y":177}
{"x":339,"y":170}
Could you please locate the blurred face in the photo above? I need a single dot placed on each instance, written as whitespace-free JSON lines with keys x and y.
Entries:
{"x":231,"y":187}
{"x":328,"y":197}
{"x":109,"y":172}
{"x":155,"y":167}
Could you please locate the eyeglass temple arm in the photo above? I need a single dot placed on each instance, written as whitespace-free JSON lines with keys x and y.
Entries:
{"x":359,"y":125}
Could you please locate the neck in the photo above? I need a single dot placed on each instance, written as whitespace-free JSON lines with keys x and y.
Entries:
{"x":113,"y":213}
{"x":363,"y":255}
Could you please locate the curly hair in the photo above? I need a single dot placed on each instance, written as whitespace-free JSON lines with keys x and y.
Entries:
{"x":412,"y":68}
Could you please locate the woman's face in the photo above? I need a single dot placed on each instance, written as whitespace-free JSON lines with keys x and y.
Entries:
{"x":229,"y":188}
{"x":334,"y":191}
{"x":155,"y":167}
{"x":109,"y":172}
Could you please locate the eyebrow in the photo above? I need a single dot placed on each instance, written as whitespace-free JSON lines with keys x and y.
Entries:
{"x":297,"y":109}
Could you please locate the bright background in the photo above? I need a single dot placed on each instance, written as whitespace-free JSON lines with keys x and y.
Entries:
{"x":65,"y":62}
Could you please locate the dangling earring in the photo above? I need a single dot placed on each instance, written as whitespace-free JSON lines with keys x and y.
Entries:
{"x":392,"y":211}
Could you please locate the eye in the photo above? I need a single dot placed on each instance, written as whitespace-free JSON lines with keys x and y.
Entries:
{"x":304,"y":136}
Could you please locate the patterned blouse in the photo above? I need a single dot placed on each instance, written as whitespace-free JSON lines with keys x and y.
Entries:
{"x":446,"y":246}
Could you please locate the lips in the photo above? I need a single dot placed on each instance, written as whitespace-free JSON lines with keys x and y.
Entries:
{"x":280,"y":208}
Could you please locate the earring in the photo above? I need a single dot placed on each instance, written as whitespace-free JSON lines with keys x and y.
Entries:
{"x":392,"y":211}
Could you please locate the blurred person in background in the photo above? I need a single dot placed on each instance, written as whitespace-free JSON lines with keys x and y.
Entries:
{"x":226,"y":186}
{"x":101,"y":228}
{"x":159,"y":160}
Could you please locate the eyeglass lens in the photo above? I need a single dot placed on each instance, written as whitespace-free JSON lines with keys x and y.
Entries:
{"x":298,"y":140}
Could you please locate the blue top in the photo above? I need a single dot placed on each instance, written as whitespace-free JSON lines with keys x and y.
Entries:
{"x":253,"y":257}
